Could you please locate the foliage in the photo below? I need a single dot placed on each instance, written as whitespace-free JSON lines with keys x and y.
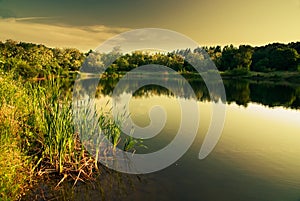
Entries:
{"x":276,"y":57}
{"x":272,"y":57}
{"x":30,"y":60}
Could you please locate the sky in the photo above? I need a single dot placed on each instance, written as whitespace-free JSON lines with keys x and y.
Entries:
{"x":85,"y":24}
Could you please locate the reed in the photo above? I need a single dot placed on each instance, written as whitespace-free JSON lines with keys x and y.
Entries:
{"x":41,"y":136}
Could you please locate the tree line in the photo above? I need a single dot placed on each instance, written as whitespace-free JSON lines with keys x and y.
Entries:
{"x":34,"y":60}
{"x":271,"y":57}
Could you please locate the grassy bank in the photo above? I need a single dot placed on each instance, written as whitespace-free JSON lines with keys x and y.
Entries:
{"x":38,"y":136}
{"x":15,"y":168}
{"x":275,"y":76}
{"x":287,"y":76}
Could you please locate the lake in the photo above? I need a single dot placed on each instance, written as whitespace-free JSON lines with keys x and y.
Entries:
{"x":256,"y":158}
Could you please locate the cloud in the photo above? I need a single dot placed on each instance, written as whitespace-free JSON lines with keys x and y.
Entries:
{"x":32,"y":18}
{"x":83,"y":38}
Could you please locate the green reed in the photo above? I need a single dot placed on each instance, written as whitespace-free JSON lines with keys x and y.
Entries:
{"x":61,"y":140}
{"x":37,"y":127}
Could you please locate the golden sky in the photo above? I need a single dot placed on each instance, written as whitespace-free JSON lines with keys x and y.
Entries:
{"x":86,"y":24}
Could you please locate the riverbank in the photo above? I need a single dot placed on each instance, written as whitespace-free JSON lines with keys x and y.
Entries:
{"x":278,"y":76}
{"x":288,"y":76}
{"x":38,"y":136}
{"x":283,"y":77}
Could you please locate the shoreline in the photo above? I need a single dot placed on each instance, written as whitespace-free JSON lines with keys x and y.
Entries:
{"x":275,"y":76}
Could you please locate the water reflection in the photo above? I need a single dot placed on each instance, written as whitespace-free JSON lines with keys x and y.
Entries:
{"x":257,"y":157}
{"x":241,"y":92}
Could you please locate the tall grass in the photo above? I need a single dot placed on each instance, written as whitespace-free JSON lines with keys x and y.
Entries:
{"x":53,"y":116}
{"x":62,"y":151}
{"x":38,"y":135}
{"x":95,"y":126}
{"x":61,"y":142}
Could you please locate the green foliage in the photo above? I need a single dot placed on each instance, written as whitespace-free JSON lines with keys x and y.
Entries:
{"x":236,"y":58}
{"x":228,"y":61}
{"x":30,"y":60}
{"x":284,"y":59}
{"x":275,"y":57}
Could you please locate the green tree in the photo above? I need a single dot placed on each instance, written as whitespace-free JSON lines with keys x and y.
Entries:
{"x":228,"y":60}
{"x":243,"y":57}
{"x":122,"y":64}
{"x":284,"y":59}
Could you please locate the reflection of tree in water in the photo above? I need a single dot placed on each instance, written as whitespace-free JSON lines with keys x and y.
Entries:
{"x":270,"y":94}
{"x":237,"y":91}
{"x":150,"y":90}
{"x":274,"y":95}
{"x":107,"y":86}
{"x":296,"y":102}
{"x":241,"y":92}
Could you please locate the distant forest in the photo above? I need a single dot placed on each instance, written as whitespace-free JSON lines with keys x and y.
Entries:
{"x":35,"y":60}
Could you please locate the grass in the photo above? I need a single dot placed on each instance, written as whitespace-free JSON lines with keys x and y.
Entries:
{"x":14,"y":164}
{"x":270,"y":76}
{"x":38,"y":136}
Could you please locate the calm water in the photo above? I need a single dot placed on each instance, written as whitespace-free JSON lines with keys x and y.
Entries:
{"x":256,"y":158}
